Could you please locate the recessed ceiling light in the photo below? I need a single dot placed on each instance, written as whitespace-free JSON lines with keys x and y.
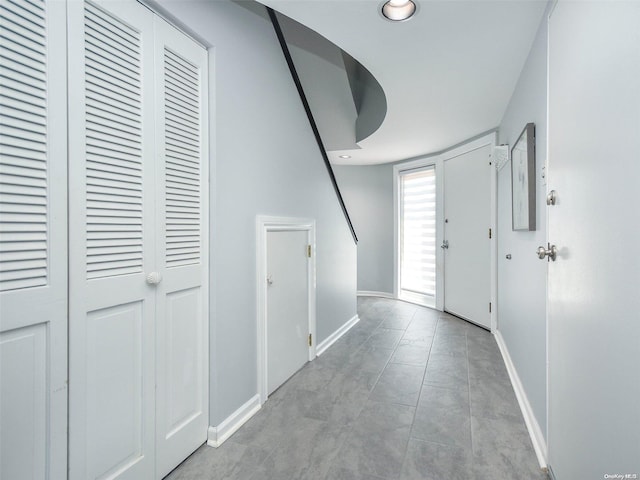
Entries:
{"x":398,"y":10}
{"x":345,"y":156}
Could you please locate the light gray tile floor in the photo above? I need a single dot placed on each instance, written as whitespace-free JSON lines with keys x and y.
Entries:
{"x":408,"y":393}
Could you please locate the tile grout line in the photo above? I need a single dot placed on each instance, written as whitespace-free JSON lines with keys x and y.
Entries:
{"x":422,"y":384}
{"x":415,"y":410}
{"x":469,"y":393}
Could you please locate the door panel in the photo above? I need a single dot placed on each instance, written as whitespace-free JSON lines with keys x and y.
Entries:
{"x":115,"y":388}
{"x":184,"y":330}
{"x":467,"y":213}
{"x":112,"y":308}
{"x":33,"y":236}
{"x":23,"y":402}
{"x":593,"y":327}
{"x":287,"y":305}
{"x":182,"y":257}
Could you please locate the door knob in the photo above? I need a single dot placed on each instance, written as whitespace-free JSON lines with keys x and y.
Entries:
{"x":269,"y":280}
{"x":154,"y":278}
{"x":551,"y":251}
{"x":445,"y":244}
{"x":552,"y":197}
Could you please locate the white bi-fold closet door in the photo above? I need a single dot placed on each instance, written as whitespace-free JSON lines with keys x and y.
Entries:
{"x":138,"y":343}
{"x":33,"y":240}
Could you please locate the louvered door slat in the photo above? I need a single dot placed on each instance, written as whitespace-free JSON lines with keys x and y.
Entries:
{"x":34,"y":9}
{"x":181,"y":114}
{"x":25,"y":52}
{"x":26,"y":124}
{"x":94,"y":16}
{"x":182,"y":160}
{"x":14,"y":33}
{"x":110,"y":118}
{"x":23,"y":242}
{"x":114,"y":145}
{"x":180,"y":134}
{"x":14,"y":16}
{"x":96,"y":39}
{"x":105,"y":33}
{"x":23,"y":146}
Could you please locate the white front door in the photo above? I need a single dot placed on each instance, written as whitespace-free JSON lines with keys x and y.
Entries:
{"x":593,"y":286}
{"x":287,"y":305}
{"x":138,"y":249}
{"x":467,"y":246}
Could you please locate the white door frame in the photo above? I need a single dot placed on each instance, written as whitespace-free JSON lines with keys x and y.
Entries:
{"x":438,"y":160}
{"x":266,"y":224}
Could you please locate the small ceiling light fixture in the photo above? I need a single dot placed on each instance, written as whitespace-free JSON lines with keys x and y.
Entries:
{"x":345,"y":156}
{"x":398,"y":10}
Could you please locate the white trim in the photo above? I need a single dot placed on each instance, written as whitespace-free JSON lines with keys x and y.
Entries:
{"x":265,"y":224}
{"x":367,"y":293}
{"x":537,"y":438}
{"x":428,"y":301}
{"x":333,"y":338}
{"x":396,"y":231}
{"x":216,"y":436}
{"x":493,"y":256}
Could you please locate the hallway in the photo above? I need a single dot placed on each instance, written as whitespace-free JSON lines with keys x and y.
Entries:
{"x":408,"y":393}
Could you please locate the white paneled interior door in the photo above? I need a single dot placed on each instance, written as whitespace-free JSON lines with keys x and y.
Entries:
{"x":33,"y":236}
{"x":287,"y":304}
{"x":138,"y":335}
{"x":467,"y":220}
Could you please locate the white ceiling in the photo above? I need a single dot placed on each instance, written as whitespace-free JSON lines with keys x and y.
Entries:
{"x":448,"y":73}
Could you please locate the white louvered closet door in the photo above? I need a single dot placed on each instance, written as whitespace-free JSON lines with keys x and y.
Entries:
{"x":33,"y":260}
{"x":139,"y":339}
{"x":112,"y":241}
{"x":181,"y":318}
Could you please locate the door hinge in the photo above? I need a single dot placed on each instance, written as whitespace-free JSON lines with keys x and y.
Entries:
{"x":490,"y":233}
{"x":489,"y":307}
{"x":310,"y":340}
{"x":309,"y":251}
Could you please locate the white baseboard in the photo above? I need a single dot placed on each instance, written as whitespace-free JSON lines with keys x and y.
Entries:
{"x":366,"y":293}
{"x":331,"y":339}
{"x":535,"y":432}
{"x":217,"y":435}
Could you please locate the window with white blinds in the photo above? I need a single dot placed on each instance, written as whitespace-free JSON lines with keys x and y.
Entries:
{"x":24,"y":150}
{"x":418,"y":231}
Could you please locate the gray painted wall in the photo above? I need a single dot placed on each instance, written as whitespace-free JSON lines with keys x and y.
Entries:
{"x":368,"y":194}
{"x":522,"y":281}
{"x":266,"y":162}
